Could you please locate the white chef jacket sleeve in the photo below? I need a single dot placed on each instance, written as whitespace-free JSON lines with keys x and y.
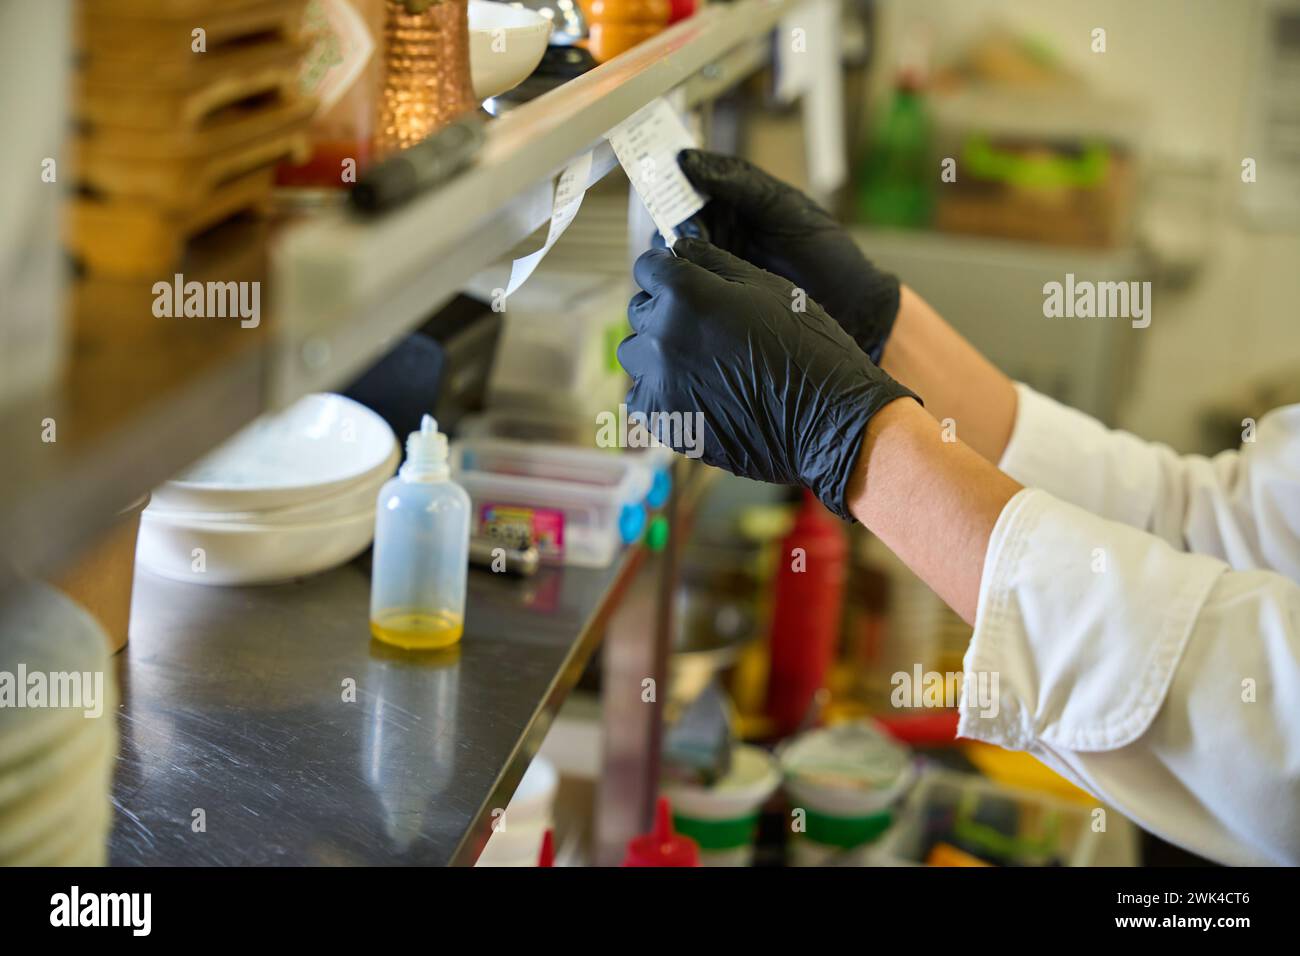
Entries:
{"x":1241,"y":506}
{"x":1162,"y":682}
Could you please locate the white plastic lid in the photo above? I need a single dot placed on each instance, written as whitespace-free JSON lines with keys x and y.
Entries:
{"x":426,"y":453}
{"x":752,"y":779}
{"x":846,"y":769}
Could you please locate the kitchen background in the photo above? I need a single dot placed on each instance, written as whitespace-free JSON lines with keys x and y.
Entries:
{"x":1122,"y":163}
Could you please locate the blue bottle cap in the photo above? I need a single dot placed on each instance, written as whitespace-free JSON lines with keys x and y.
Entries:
{"x":661,"y":487}
{"x":631,"y":522}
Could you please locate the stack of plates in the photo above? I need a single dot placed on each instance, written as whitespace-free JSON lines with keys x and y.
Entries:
{"x":292,"y":494}
{"x":56,"y":763}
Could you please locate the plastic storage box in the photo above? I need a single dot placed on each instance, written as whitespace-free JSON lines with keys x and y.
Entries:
{"x":578,"y":507}
{"x":967,"y":817}
{"x":533,"y":427}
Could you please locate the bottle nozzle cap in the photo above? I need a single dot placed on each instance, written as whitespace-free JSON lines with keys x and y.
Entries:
{"x":662,"y":846}
{"x":426,"y":451}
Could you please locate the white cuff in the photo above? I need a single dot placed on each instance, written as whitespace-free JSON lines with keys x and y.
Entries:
{"x":1081,"y":623}
{"x":1080,"y":460}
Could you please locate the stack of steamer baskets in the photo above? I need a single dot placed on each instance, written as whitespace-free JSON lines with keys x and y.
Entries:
{"x":184,"y":108}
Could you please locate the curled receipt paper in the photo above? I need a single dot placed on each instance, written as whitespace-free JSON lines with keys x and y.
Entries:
{"x":569,"y":191}
{"x":647,"y":144}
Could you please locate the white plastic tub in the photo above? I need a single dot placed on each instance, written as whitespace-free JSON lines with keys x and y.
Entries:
{"x":845,"y":780}
{"x":578,"y":507}
{"x":723,"y":818}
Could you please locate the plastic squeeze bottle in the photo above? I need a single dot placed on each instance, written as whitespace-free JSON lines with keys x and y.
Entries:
{"x":421,"y":557}
{"x":806,"y":607}
{"x":662,"y":846}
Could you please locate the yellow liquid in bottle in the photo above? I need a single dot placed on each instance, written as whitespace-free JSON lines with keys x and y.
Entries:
{"x":418,"y":630}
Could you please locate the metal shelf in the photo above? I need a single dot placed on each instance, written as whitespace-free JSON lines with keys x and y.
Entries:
{"x":347,"y":287}
{"x":339,"y":290}
{"x":233,"y":703}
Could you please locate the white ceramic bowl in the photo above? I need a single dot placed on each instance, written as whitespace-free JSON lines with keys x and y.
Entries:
{"x":352,"y":499}
{"x":505,"y":45}
{"x":316,"y":447}
{"x":251,"y":553}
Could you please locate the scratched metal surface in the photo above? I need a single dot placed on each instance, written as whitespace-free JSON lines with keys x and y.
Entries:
{"x":232,"y":703}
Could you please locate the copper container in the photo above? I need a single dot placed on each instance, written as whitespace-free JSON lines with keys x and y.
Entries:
{"x":101,"y":579}
{"x":426,"y":71}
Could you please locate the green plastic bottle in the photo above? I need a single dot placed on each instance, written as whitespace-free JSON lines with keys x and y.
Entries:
{"x":897,"y":183}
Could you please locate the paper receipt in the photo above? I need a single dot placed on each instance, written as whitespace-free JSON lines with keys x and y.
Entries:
{"x":564,"y":207}
{"x":647,"y":144}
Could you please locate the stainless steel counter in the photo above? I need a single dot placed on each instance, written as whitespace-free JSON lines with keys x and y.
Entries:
{"x":234,"y":703}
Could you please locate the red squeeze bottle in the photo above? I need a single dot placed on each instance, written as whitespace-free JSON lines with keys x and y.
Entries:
{"x":806,"y":611}
{"x":662,"y":847}
{"x":547,"y":856}
{"x":680,"y":9}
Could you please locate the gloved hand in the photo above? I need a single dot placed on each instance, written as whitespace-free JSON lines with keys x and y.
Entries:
{"x":773,"y":225}
{"x":783,"y":395}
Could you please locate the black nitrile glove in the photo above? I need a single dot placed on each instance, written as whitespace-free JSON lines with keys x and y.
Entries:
{"x":783,"y":395}
{"x":773,"y":225}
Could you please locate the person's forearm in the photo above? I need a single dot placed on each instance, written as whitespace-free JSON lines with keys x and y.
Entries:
{"x":954,"y":380}
{"x":932,"y":502}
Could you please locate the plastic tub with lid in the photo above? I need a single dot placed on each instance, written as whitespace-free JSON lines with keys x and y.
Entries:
{"x":578,"y":507}
{"x":846,"y":781}
{"x":723,"y":818}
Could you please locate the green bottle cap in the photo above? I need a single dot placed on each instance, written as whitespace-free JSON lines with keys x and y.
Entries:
{"x":656,"y":535}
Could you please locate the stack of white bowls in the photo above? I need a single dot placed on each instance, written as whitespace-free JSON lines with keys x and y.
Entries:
{"x":293,"y":494}
{"x":56,"y":752}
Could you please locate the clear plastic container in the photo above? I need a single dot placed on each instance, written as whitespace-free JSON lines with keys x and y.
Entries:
{"x":578,"y":507}
{"x":421,"y":557}
{"x":988,"y":821}
{"x":533,"y":427}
